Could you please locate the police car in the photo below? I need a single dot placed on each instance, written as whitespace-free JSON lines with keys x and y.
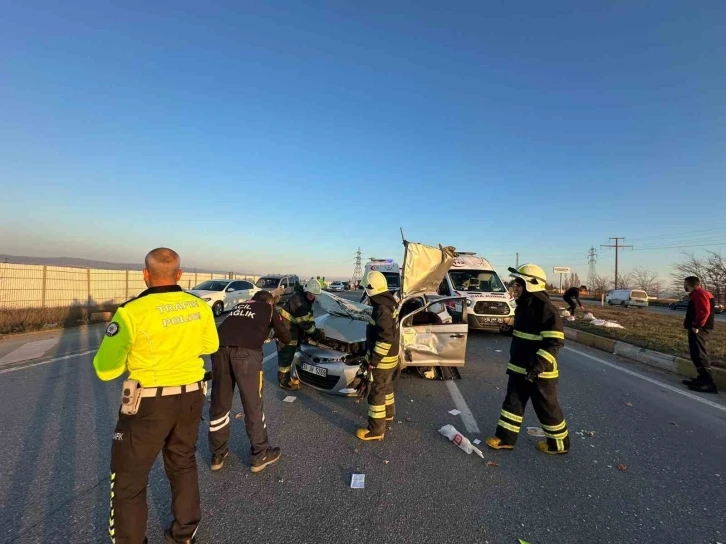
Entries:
{"x":488,"y":301}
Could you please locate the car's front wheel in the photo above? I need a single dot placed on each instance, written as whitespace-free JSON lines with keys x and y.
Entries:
{"x":217,"y":309}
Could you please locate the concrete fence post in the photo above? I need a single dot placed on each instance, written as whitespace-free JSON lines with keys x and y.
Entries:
{"x":88,"y":286}
{"x":43,"y":288}
{"x":127,"y":285}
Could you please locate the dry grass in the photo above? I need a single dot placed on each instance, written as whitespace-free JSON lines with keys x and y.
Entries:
{"x":650,"y":330}
{"x":36,"y":319}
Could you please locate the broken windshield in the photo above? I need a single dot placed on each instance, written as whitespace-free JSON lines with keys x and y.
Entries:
{"x":476,"y":281}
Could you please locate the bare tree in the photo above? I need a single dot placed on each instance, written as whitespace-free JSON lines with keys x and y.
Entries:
{"x":625,"y":281}
{"x":711,"y":270}
{"x":646,"y":280}
{"x":573,"y":280}
{"x":600,"y":285}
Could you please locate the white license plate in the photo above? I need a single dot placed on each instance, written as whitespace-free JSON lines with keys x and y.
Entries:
{"x":315,"y":370}
{"x":493,"y":320}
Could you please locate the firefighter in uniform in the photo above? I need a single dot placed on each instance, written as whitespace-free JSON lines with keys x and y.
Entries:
{"x":537,"y":337}
{"x":297,"y":314}
{"x":159,"y":337}
{"x":239,"y":362}
{"x":382,"y":339}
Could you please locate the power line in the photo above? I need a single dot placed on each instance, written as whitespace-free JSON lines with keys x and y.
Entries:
{"x":712,"y":244}
{"x":617,"y":247}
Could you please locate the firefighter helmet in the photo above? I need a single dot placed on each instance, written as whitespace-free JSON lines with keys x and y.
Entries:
{"x":374,"y":283}
{"x":313,"y":287}
{"x":535,"y":279}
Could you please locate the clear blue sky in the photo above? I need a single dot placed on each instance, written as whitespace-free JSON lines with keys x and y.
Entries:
{"x":259,"y":138}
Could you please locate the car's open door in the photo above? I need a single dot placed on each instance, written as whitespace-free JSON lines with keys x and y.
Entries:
{"x":427,"y":341}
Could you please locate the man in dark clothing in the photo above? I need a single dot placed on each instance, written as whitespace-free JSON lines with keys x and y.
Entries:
{"x":297,"y":313}
{"x":382,"y":343}
{"x":699,"y":324}
{"x":572,"y":297}
{"x":537,"y":337}
{"x":239,"y":361}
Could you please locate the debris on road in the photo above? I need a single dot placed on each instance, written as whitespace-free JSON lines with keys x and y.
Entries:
{"x":289,"y":399}
{"x":628,"y":404}
{"x":477,"y":442}
{"x":386,"y":461}
{"x":409,"y":419}
{"x":522,"y":541}
{"x":622,"y":468}
{"x":583,"y":433}
{"x":450,"y":432}
{"x":454,"y":412}
{"x":674,"y":423}
{"x":498,"y":350}
{"x":358,"y":481}
{"x":535,"y":431}
{"x":492,"y":464}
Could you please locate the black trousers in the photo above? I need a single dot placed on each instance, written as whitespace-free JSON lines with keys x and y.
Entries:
{"x":572,"y":305}
{"x":697,"y":345}
{"x":543,"y":393}
{"x":381,"y":403}
{"x":241,"y":367}
{"x":163,"y":424}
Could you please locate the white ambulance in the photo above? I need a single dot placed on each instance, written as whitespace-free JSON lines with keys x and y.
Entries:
{"x":488,"y":301}
{"x":390,"y":269}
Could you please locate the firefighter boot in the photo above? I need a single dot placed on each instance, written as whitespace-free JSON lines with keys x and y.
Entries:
{"x":495,"y":443}
{"x":365,"y":434}
{"x":285,"y":382}
{"x":544,"y":448}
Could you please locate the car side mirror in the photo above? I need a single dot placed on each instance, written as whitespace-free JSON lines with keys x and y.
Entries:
{"x":230,"y":289}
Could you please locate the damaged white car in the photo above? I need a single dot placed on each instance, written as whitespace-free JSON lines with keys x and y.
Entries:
{"x":433,"y":339}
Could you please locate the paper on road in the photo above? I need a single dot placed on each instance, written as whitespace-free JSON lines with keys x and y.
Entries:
{"x":535,"y":431}
{"x":289,"y":399}
{"x":358,"y":481}
{"x":454,"y":412}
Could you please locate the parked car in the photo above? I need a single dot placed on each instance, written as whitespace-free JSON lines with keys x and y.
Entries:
{"x":280,"y":285}
{"x":223,"y":294}
{"x":427,"y":339}
{"x":627,"y":298}
{"x":336,"y":286}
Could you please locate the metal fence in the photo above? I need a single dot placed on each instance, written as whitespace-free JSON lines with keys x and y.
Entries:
{"x":39,"y":286}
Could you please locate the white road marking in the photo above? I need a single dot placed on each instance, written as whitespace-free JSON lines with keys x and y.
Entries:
{"x":30,"y":350}
{"x":651,"y":380}
{"x":64,"y":358}
{"x":466,"y":416}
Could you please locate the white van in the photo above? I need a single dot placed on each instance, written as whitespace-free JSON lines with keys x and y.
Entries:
{"x":489,"y":304}
{"x":627,"y":297}
{"x":389,"y":269}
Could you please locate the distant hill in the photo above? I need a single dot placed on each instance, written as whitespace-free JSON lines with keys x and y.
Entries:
{"x":80,"y":263}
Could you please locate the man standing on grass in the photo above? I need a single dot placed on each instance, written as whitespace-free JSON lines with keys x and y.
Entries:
{"x":699,"y":324}
{"x":572,"y":298}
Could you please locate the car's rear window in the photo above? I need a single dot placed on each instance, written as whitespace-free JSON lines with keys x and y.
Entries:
{"x":639,"y":294}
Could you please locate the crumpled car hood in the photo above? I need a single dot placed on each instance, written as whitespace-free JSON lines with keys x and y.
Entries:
{"x":341,"y":307}
{"x":424,"y":267}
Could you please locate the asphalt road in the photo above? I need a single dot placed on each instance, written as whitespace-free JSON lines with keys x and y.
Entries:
{"x":57,"y":420}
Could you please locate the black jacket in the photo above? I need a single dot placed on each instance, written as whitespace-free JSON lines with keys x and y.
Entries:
{"x":249,"y":324}
{"x":536,"y":338}
{"x":382,"y":333}
{"x":298,"y":315}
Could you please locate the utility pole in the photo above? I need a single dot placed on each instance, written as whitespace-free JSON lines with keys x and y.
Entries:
{"x":591,"y":260}
{"x":358,"y":270}
{"x":617,"y":245}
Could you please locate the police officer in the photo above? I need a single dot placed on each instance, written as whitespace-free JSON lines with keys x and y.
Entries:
{"x":537,"y":337}
{"x":297,"y":314}
{"x":382,"y":339}
{"x":239,"y":361}
{"x":159,"y":337}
